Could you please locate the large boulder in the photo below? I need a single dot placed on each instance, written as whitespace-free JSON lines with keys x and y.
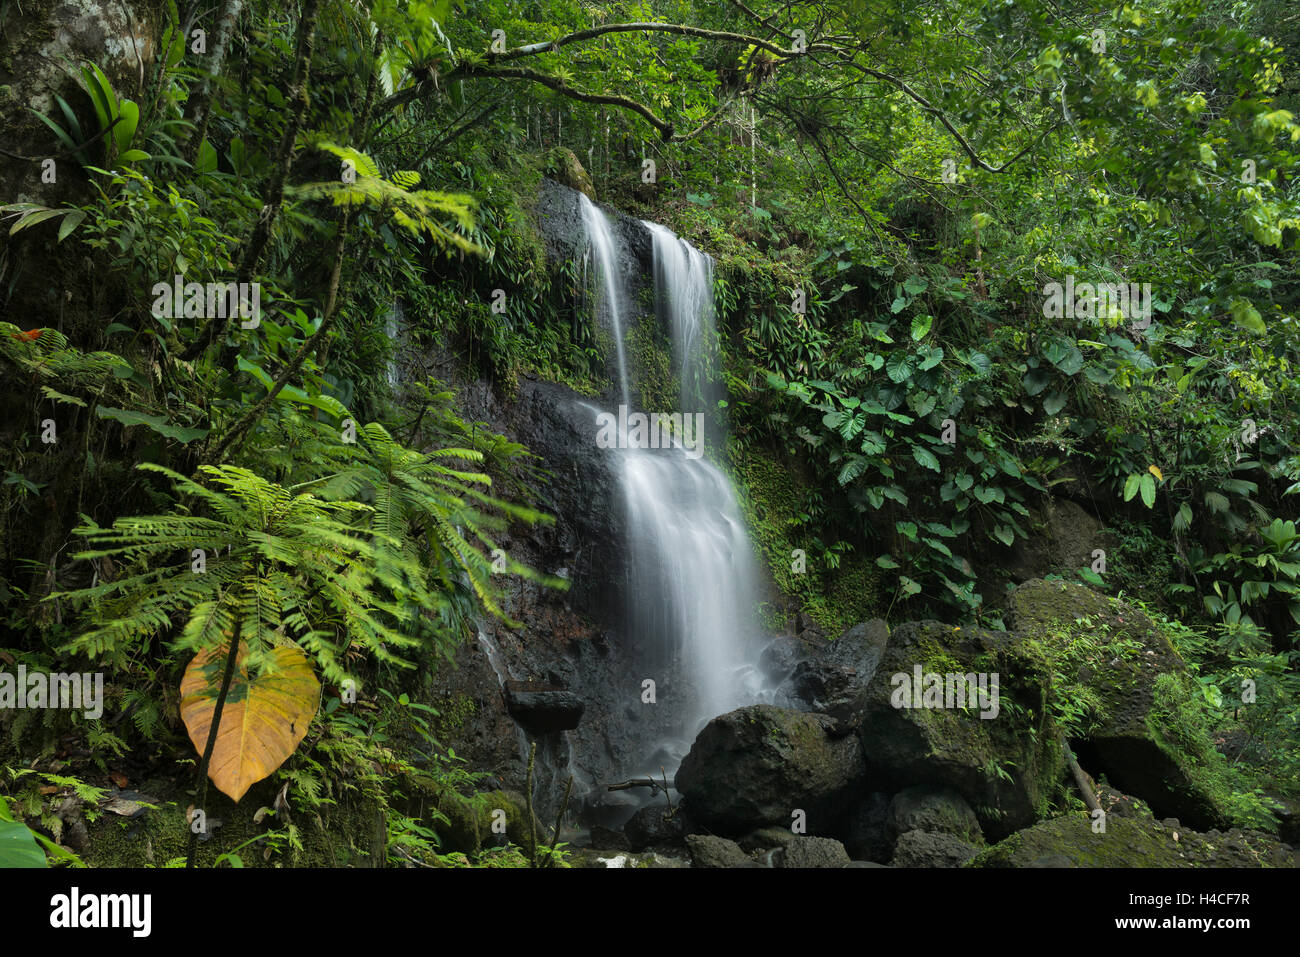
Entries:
{"x":758,"y":765}
{"x":834,"y":679}
{"x":541,"y":708}
{"x":999,"y":752}
{"x":1132,"y":841}
{"x":468,"y":827}
{"x":1064,"y":539}
{"x":1146,"y":727}
{"x":564,"y":164}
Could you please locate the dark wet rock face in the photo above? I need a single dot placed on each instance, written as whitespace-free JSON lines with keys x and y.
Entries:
{"x":832,"y":679}
{"x":655,"y":825}
{"x":543,"y":709}
{"x":867,"y":835}
{"x":757,"y":766}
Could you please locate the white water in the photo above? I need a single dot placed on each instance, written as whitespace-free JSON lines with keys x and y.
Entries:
{"x":691,"y":573}
{"x":610,"y":298}
{"x":684,"y":295}
{"x":392,"y":326}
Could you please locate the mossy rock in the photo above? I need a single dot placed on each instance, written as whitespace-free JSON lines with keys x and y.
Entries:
{"x":1006,"y":766}
{"x":564,"y":165}
{"x":1148,"y":725}
{"x":469,"y":825}
{"x":1132,"y":841}
{"x":349,"y":834}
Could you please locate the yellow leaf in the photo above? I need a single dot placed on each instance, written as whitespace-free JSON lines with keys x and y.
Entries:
{"x":1156,"y":472}
{"x":263,"y":721}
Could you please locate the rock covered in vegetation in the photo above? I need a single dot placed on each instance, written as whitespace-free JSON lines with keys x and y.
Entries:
{"x":568,"y":170}
{"x":468,"y":827}
{"x":758,"y":765}
{"x":1137,"y":841}
{"x":1005,"y":765}
{"x":1147,"y":725}
{"x":1069,"y":535}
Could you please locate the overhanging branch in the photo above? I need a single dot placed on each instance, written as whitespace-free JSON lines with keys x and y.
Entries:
{"x":475,"y":71}
{"x":532,"y":49}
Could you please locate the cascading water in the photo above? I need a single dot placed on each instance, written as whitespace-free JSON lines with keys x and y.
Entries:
{"x":684,"y":299}
{"x":691,"y":575}
{"x":393,"y":322}
{"x":610,"y":299}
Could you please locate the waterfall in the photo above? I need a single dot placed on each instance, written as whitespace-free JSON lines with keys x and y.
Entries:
{"x":392,"y":326}
{"x":610,"y":298}
{"x":691,"y":574}
{"x":684,"y":299}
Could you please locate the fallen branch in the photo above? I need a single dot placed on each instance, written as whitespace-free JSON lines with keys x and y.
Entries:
{"x":1080,"y":779}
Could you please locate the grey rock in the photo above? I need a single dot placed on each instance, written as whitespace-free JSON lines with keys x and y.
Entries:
{"x":709,"y":851}
{"x":755,"y":766}
{"x":654,"y":826}
{"x":939,"y":810}
{"x":927,"y":849}
{"x":811,"y":852}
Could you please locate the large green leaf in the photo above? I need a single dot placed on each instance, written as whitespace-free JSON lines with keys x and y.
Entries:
{"x":925,"y":457}
{"x":899,"y":366}
{"x":156,"y":422}
{"x":18,"y":847}
{"x":1148,"y":488}
{"x":1065,"y":355}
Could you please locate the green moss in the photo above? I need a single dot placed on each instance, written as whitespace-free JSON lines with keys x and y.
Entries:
{"x":452,"y":715}
{"x":1126,"y":843}
{"x":468,"y":824}
{"x":650,"y":357}
{"x":834,"y":597}
{"x":338,"y":836}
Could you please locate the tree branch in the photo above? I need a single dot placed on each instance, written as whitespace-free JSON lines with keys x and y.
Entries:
{"x":474,"y":71}
{"x":532,"y":49}
{"x":942,"y":117}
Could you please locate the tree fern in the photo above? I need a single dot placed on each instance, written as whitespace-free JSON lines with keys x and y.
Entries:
{"x":415,"y":210}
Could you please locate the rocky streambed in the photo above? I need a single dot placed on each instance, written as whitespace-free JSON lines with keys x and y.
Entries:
{"x":845,"y":777}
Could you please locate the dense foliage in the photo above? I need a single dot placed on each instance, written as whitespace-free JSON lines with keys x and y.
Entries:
{"x":890,"y":190}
